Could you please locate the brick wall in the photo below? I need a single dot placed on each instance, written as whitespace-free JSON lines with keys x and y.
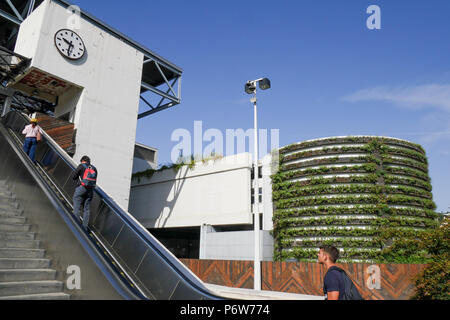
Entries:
{"x":396,"y":281}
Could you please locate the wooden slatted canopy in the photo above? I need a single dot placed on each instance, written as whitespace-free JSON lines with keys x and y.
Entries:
{"x":63,"y":132}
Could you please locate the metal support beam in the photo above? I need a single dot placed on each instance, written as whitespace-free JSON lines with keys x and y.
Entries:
{"x":9,"y":17}
{"x":146,"y":86}
{"x":30,"y":7}
{"x":160,"y":107}
{"x":165,"y":79}
{"x":13,"y":8}
{"x":147,"y":113}
{"x":147,"y":103}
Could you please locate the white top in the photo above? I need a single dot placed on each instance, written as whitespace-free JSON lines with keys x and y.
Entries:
{"x":31,"y":132}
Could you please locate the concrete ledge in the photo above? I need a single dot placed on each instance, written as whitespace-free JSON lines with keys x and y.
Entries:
{"x":250,"y":294}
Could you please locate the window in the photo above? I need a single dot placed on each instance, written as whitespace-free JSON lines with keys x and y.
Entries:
{"x":259,"y":173}
{"x":259,"y":195}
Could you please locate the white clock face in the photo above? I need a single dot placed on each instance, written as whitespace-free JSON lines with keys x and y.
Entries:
{"x":69,"y":44}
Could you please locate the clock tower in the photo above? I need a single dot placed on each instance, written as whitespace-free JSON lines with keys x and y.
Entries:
{"x":97,"y":78}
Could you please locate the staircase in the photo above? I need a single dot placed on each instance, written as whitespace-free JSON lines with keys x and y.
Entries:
{"x":25,"y":272}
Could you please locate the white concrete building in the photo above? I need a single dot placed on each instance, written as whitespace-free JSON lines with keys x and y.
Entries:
{"x":207,"y":208}
{"x":144,"y":158}
{"x":97,"y":75}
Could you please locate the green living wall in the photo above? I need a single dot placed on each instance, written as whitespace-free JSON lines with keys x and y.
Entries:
{"x":368,"y":196}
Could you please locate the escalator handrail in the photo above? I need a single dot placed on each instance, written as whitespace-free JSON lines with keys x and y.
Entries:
{"x":130,"y":221}
{"x":101,"y":260}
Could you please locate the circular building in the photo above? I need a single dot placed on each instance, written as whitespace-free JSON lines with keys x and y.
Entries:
{"x":345,"y":191}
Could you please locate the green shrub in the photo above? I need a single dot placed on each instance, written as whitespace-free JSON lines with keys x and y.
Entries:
{"x":433,"y":283}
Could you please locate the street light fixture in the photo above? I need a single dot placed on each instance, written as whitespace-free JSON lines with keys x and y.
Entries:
{"x":250,"y":88}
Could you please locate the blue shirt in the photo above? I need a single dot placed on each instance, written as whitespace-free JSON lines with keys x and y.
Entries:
{"x":333,"y":281}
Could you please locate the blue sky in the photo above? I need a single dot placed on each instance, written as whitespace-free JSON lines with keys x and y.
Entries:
{"x":330,"y":74}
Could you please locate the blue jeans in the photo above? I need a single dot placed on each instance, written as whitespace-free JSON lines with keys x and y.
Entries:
{"x":82,"y":198}
{"x":29,"y":147}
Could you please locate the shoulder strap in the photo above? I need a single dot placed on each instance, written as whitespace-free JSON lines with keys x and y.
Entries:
{"x":336,"y":268}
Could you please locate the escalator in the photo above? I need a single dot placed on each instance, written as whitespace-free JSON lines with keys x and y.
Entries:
{"x":118,"y":258}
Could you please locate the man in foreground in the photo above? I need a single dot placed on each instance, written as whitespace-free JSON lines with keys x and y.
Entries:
{"x":333,"y":282}
{"x":336,"y":284}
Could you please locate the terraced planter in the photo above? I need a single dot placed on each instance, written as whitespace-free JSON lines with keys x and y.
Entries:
{"x":346,"y":191}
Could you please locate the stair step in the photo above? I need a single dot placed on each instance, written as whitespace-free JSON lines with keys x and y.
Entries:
{"x":14,"y":227}
{"x":30,"y":287}
{"x":20,"y":243}
{"x":21,"y":253}
{"x":10,"y":211}
{"x":6,"y":194}
{"x":17,"y":236}
{"x":42,"y":296}
{"x":8,"y":205}
{"x":7,"y":199}
{"x":14,"y":275}
{"x":24,"y":263}
{"x":12,"y":220}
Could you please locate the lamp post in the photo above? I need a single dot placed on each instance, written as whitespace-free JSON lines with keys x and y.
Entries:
{"x":250,"y":88}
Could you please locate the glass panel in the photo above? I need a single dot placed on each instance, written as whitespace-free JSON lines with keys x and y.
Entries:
{"x":69,"y":188}
{"x":41,"y":151}
{"x":52,"y":167}
{"x":61,"y":173}
{"x":184,"y":291}
{"x":126,"y":240}
{"x":107,"y":224}
{"x":157,"y":276}
{"x":95,"y":207}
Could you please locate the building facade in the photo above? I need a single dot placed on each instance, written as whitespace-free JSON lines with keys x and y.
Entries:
{"x":204,"y":210}
{"x":339,"y":191}
{"x":92,"y":76}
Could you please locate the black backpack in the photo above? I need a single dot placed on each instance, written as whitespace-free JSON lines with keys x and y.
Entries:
{"x":351,"y":293}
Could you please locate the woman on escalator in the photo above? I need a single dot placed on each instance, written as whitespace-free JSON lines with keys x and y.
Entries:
{"x":32,"y":134}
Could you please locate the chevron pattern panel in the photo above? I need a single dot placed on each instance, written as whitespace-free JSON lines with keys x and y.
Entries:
{"x":238,"y":274}
{"x":395,"y":280}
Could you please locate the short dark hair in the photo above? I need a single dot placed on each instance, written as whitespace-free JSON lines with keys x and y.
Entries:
{"x":332,"y":252}
{"x":85,"y":159}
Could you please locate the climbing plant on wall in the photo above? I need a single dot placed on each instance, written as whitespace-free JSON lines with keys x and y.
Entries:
{"x":370,"y":196}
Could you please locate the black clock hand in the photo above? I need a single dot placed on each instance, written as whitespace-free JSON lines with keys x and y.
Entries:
{"x":70,"y":46}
